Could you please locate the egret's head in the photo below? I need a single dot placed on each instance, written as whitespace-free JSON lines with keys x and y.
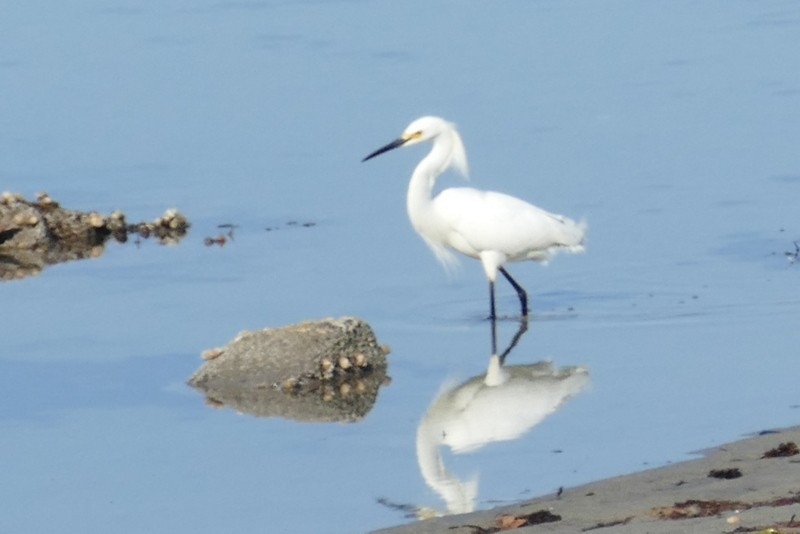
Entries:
{"x":426,"y":129}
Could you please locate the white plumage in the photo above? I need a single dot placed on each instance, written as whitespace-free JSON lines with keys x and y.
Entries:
{"x":493,"y":227}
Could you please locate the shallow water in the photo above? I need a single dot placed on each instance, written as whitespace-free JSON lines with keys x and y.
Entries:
{"x":671,"y":128}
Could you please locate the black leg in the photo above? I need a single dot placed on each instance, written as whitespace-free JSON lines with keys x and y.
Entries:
{"x":523,"y":297}
{"x":494,"y":339}
{"x":492,"y":315}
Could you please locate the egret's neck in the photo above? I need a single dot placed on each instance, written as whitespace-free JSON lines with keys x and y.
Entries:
{"x":420,"y":188}
{"x":459,"y":495}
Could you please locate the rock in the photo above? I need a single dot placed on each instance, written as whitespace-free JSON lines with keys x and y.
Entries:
{"x":37,"y":233}
{"x":297,"y":371}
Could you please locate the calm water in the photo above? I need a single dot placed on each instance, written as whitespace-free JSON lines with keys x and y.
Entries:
{"x":673,"y":128}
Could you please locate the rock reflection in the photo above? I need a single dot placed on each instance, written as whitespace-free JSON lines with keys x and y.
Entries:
{"x":499,"y":405}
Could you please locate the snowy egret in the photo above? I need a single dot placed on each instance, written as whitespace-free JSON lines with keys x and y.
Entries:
{"x":493,"y":227}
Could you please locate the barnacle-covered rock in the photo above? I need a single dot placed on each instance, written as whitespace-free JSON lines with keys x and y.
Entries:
{"x":302,"y":371}
{"x":37,"y":233}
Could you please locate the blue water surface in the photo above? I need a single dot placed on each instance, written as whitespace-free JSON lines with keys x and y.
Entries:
{"x":672,"y":128}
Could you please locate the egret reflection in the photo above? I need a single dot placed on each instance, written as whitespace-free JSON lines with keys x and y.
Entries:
{"x":501,"y":404}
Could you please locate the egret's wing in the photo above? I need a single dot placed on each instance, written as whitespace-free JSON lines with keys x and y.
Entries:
{"x":486,"y":220}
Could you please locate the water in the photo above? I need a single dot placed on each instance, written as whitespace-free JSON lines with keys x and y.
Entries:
{"x":671,"y":127}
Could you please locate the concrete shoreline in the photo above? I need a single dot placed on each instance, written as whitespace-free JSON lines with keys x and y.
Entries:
{"x":750,"y":485}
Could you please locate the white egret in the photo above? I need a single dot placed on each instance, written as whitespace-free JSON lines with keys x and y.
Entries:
{"x":493,"y":227}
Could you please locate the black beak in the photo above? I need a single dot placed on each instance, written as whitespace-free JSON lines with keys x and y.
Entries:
{"x":394,"y":144}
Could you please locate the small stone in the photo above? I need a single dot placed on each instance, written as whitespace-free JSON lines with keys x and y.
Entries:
{"x":96,"y":220}
{"x":25,"y":219}
{"x":242,"y":335}
{"x":10,"y":198}
{"x":116,"y":221}
{"x":344,"y":362}
{"x":45,"y":200}
{"x":210,"y":354}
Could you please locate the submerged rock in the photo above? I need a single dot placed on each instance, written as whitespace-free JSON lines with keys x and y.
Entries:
{"x":38,"y":233}
{"x":326,"y":370}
